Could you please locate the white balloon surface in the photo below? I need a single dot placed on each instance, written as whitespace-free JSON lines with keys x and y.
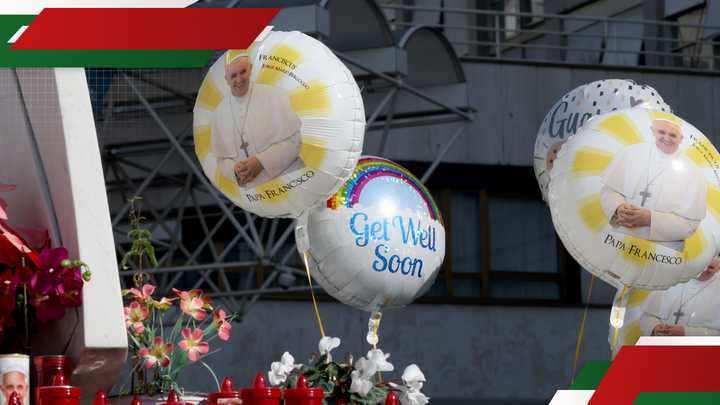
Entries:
{"x":291,"y":137}
{"x":379,"y":242}
{"x":635,"y":198}
{"x":577,"y":107}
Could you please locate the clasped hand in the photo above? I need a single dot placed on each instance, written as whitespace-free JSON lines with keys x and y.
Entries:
{"x":668,"y":330}
{"x":630,"y":216}
{"x":247,"y":170}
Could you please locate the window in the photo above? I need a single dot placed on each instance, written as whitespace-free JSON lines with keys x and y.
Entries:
{"x":502,"y":248}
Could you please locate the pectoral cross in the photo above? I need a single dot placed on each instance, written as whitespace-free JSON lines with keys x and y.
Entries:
{"x":244,"y":146}
{"x":645,"y":194}
{"x":678,"y":314}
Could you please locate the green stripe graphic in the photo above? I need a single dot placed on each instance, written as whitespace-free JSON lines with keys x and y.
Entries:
{"x":590,"y":375}
{"x":677,"y":398}
{"x":10,"y":24}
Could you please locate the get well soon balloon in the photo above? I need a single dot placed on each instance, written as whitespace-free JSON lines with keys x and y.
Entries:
{"x":577,"y":107}
{"x":635,"y":198}
{"x":379,"y":242}
{"x":279,"y":128}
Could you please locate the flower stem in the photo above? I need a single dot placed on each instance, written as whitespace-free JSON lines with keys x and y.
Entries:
{"x":212,"y":373}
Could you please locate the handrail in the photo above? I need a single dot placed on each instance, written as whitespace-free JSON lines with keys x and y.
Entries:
{"x":667,"y":50}
{"x":544,"y":16}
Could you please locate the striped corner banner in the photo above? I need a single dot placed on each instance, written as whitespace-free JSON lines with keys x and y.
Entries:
{"x":127,"y":35}
{"x":681,"y":370}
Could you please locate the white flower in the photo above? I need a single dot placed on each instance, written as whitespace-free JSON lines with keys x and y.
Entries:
{"x":360,"y":385}
{"x":410,"y":393}
{"x":413,"y":377}
{"x":361,"y":377}
{"x":380,"y":359}
{"x":413,"y":397}
{"x":326,"y":345}
{"x":279,"y":370}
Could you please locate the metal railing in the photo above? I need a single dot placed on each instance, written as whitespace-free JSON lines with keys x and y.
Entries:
{"x":504,"y":35}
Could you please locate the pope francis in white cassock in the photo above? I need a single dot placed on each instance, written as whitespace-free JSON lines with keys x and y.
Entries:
{"x":687,"y":309}
{"x":650,"y":191}
{"x":258,"y":138}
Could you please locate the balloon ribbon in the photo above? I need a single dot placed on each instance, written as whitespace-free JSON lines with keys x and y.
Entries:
{"x":581,"y":332}
{"x":314,"y":300}
{"x":617,"y":318}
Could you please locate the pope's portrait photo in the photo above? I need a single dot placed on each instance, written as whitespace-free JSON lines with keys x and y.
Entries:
{"x":687,"y":309}
{"x":650,"y":191}
{"x":258,"y":136}
{"x":15,"y":378}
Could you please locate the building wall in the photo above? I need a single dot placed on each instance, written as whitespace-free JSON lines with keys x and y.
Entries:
{"x":512,"y":99}
{"x":466,"y":352}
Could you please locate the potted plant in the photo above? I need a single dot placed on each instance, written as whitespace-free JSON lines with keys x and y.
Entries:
{"x":167,"y":334}
{"x":346,"y":382}
{"x":38,"y":284}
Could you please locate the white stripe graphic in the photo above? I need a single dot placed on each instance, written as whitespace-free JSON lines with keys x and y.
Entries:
{"x":678,"y":341}
{"x":33,"y":7}
{"x":572,"y":397}
{"x":17,"y":34}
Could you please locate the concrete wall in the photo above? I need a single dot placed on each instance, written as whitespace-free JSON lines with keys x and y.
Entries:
{"x":512,"y":99}
{"x":466,"y":352}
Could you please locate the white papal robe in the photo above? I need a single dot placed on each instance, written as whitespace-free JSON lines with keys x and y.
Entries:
{"x":267,"y":123}
{"x":677,"y":193}
{"x":700,"y":315}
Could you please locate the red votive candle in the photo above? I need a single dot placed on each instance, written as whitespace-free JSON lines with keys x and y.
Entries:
{"x":173,"y":399}
{"x":303,"y":395}
{"x":227,"y":394}
{"x":260,"y":393}
{"x":45,"y":368}
{"x":59,"y":393}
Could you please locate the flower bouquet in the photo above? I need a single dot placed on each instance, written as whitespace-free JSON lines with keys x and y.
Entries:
{"x":37,"y":284}
{"x":159,"y":353}
{"x":360,"y":382}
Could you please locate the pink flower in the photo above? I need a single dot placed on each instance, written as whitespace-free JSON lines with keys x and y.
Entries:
{"x":158,"y":353}
{"x":193,"y":344}
{"x":135,"y":314}
{"x":70,"y":289}
{"x":143,"y":296}
{"x":223,"y":326}
{"x":163,"y":304}
{"x":192,"y":303}
{"x":53,"y":258}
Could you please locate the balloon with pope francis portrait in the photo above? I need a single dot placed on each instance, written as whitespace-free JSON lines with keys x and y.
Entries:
{"x":278,"y":127}
{"x":577,"y":107}
{"x":635,"y":198}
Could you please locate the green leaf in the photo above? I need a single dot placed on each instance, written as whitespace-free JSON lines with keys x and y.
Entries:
{"x":376,"y":396}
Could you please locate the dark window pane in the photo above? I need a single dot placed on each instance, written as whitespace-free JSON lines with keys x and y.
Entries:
{"x":522,"y":237}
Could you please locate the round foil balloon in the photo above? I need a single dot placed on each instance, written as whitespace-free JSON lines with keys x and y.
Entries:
{"x":380,"y":240}
{"x":577,"y":107}
{"x":635,"y":198}
{"x":280,"y":127}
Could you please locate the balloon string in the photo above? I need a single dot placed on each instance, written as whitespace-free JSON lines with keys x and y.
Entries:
{"x":378,"y":316}
{"x":581,"y":332}
{"x":617,"y":318}
{"x":314,"y":300}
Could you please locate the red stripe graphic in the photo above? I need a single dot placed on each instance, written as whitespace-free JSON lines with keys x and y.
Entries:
{"x":144,"y":28}
{"x":639,"y":369}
